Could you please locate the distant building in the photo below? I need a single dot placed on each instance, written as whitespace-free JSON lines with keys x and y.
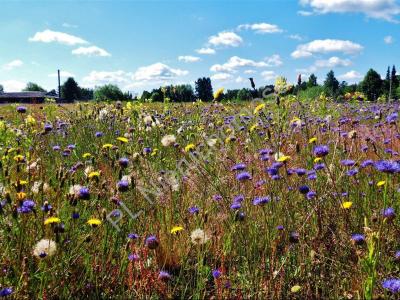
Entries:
{"x":27,"y":97}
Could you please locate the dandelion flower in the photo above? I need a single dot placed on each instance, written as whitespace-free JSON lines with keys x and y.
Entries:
{"x":107,"y":146}
{"x":259,"y":108}
{"x":94,"y":222}
{"x":312,"y":140}
{"x":176,"y":229}
{"x":44,"y":248}
{"x":199,"y":237}
{"x":122,"y":139}
{"x":190,"y":147}
{"x":381,"y":183}
{"x":52,"y":220}
{"x":347,"y":204}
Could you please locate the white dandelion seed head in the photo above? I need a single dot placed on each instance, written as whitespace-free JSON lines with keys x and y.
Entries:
{"x":168,"y":140}
{"x":199,"y":237}
{"x":44,"y":248}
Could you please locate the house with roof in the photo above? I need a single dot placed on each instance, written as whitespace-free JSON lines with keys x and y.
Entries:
{"x":27,"y":97}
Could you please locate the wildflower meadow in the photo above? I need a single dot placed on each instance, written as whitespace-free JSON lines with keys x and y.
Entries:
{"x":282,"y":199}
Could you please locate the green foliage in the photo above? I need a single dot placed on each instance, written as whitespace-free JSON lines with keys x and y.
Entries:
{"x":70,"y":90}
{"x":371,"y":86}
{"x":331,"y":84}
{"x":311,"y":94}
{"x":33,"y":87}
{"x":312,"y":81}
{"x":244,"y":95}
{"x":108,"y":92}
{"x":1,"y":89}
{"x":204,"y":90}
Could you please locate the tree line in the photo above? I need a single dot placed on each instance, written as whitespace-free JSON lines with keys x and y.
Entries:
{"x":372,"y":88}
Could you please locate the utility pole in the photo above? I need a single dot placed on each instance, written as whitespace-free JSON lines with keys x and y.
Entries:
{"x":59,"y":85}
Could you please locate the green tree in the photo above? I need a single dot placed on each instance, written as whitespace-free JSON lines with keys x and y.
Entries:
{"x":204,"y":90}
{"x":86,"y":94}
{"x":146,"y":95}
{"x":371,"y":85}
{"x":157,"y":95}
{"x":70,"y":90}
{"x":33,"y":87}
{"x":395,"y":79}
{"x":331,"y":84}
{"x":1,"y":89}
{"x":108,"y":92}
{"x":244,"y":95}
{"x":312,"y":81}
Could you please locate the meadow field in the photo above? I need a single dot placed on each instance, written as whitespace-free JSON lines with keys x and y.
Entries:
{"x":249,"y":200}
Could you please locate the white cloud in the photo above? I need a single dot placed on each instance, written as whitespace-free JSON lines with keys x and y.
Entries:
{"x":332,"y":62}
{"x":13,"y":85}
{"x":350,"y":76}
{"x":68,"y":25}
{"x":157,"y":72}
{"x":188,"y":58}
{"x":240,"y":79}
{"x":205,"y":51}
{"x":261,"y":28}
{"x":326,"y":46}
{"x":226,"y":38}
{"x":96,"y":78}
{"x":13,"y":64}
{"x":49,"y":36}
{"x":388,"y":39}
{"x":268,"y":75}
{"x":305,"y":13}
{"x":90,"y":51}
{"x":63,"y":74}
{"x":296,"y":37}
{"x":236,"y":62}
{"x":378,"y":9}
{"x":221,"y":76}
{"x":249,"y":72}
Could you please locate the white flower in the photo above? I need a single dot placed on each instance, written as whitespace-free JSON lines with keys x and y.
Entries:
{"x":36,"y":187}
{"x":88,"y":170}
{"x":33,"y":166}
{"x":75,"y":189}
{"x":103,"y":114}
{"x":199,"y":237}
{"x":44,"y":248}
{"x":212,"y":142}
{"x":168,"y":140}
{"x":127,"y":179}
{"x":148,"y":120}
{"x":278,"y":155}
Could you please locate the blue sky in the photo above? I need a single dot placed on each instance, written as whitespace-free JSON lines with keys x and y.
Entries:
{"x":144,"y":44}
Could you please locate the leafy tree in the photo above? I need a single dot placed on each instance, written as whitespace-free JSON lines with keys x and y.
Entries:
{"x":312,"y":81}
{"x":146,"y":95}
{"x":86,"y":94}
{"x":232,"y":94}
{"x":371,"y":86}
{"x":331,"y":84}
{"x":33,"y":87}
{"x":70,"y":90}
{"x":395,"y":79}
{"x":311,"y":93}
{"x":184,"y":93}
{"x":108,"y":92}
{"x":157,"y":95}
{"x":1,"y":89}
{"x":204,"y":90}
{"x":244,"y":94}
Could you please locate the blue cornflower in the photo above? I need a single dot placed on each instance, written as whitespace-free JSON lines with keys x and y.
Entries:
{"x":352,"y":172}
{"x":358,"y":238}
{"x":84,"y":193}
{"x":304,"y":189}
{"x":388,"y":166}
{"x":123,"y":185}
{"x":348,"y":162}
{"x":216,"y":273}
{"x":6,"y":292}
{"x":163,"y":275}
{"x":194,"y":210}
{"x":321,"y":151}
{"x":133,"y":236}
{"x":133,"y":257}
{"x":243,"y":176}
{"x":123,"y":162}
{"x":152,"y":242}
{"x":392,"y":284}
{"x":389,"y":213}
{"x":261,"y":200}
{"x":236,"y":205}
{"x":238,"y":167}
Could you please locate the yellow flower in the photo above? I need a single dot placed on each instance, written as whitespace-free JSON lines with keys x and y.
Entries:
{"x":52,"y":220}
{"x":2,"y":125}
{"x":154,"y":152}
{"x":254,"y":127}
{"x":318,"y":159}
{"x":312,"y":140}
{"x":94,"y":174}
{"x":296,"y":120}
{"x":23,"y":182}
{"x":21,"y":196}
{"x":19,"y":158}
{"x":11,"y":150}
{"x":295,"y":288}
{"x":228,"y":130}
{"x":107,"y":146}
{"x":190,"y":147}
{"x":86,"y":155}
{"x":347,"y":204}
{"x":259,"y":108}
{"x":218,"y":93}
{"x":381,"y":183}
{"x":94,"y":222}
{"x":176,"y":229}
{"x":283,"y":158}
{"x":30,"y":120}
{"x":122,"y":139}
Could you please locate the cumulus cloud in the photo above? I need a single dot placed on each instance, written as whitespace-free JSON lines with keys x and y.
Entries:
{"x":261,"y":28}
{"x":63,"y":74}
{"x":332,"y":62}
{"x":296,"y":37}
{"x":90,"y":51}
{"x":13,"y":85}
{"x":378,"y":9}
{"x":105,"y":77}
{"x":157,"y":72}
{"x":206,"y":51}
{"x":13,"y":64}
{"x":249,"y":72}
{"x":221,"y":76}
{"x":236,"y":62}
{"x":326,"y":46}
{"x":268,"y":75}
{"x":388,"y":39}
{"x":49,"y":36}
{"x":225,"y":38}
{"x":188,"y":58}
{"x":350,"y":76}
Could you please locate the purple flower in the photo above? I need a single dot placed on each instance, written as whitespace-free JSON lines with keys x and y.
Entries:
{"x":46,"y":207}
{"x":261,"y":200}
{"x":217,"y":197}
{"x":389,"y":213}
{"x":311,"y":195}
{"x":366,"y":163}
{"x":152,"y":242}
{"x":84,"y":193}
{"x":304,"y":189}
{"x":348,"y":162}
{"x":300,"y":172}
{"x":388,"y":166}
{"x":21,"y":109}
{"x":194,"y":210}
{"x":123,"y":185}
{"x":392,"y":284}
{"x":243,"y":176}
{"x":294,"y":237}
{"x":236,"y":205}
{"x":272,"y":171}
{"x":352,"y":172}
{"x":358,"y":238}
{"x":133,"y":236}
{"x":319,"y":166}
{"x":163,"y":275}
{"x":238,"y":167}
{"x":321,"y":151}
{"x":216,"y":273}
{"x":280,"y":227}
{"x":26,"y":207}
{"x":392,"y":118}
{"x":238,"y":198}
{"x":75,"y":215}
{"x":48,"y":127}
{"x":98,"y":134}
{"x":6,"y":292}
{"x":123,"y":162}
{"x":133,"y":257}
